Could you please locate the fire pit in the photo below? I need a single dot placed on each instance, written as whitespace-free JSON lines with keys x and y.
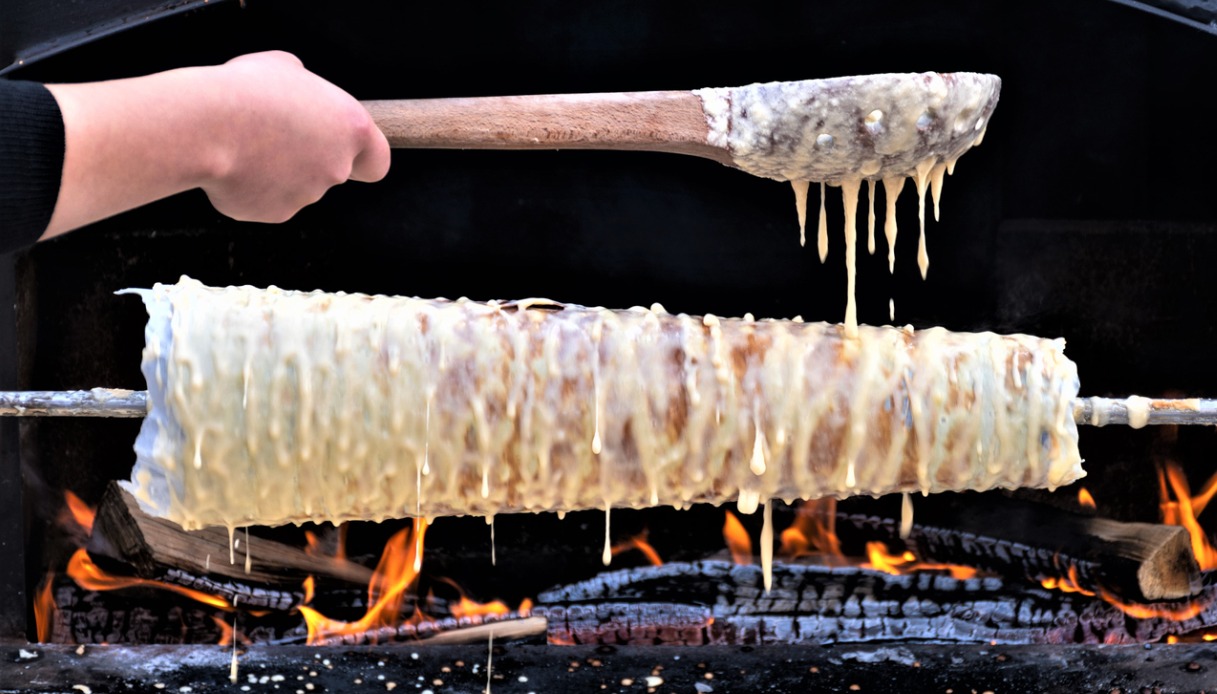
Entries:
{"x":1063,"y":223}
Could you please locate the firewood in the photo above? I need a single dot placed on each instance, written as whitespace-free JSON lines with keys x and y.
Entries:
{"x":152,"y":545}
{"x":146,"y":616}
{"x":1136,"y":561}
{"x":721,"y":603}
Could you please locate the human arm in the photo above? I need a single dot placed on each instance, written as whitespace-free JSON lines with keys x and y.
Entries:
{"x":260,"y":134}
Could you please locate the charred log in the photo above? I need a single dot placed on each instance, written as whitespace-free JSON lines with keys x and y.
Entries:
{"x":818,"y":604}
{"x":143,"y":616}
{"x":237,"y":593}
{"x":1019,"y":539}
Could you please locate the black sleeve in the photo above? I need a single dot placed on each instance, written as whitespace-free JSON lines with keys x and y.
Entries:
{"x":31,"y":162}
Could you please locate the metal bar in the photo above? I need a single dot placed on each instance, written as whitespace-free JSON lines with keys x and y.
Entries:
{"x":98,"y":402}
{"x":1138,"y":412}
{"x":112,"y":402}
{"x":15,"y":521}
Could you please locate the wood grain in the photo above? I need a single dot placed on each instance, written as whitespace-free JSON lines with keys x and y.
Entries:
{"x":152,"y":545}
{"x":667,"y":121}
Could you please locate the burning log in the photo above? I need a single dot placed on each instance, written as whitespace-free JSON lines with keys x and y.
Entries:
{"x":632,"y":623}
{"x":1137,"y":561}
{"x":235,"y":592}
{"x":449,"y":630}
{"x":726,"y":604}
{"x":143,"y":616}
{"x":151,"y":545}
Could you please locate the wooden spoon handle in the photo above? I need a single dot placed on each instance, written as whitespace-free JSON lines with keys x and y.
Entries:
{"x":670,"y":121}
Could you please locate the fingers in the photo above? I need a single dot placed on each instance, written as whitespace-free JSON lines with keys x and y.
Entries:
{"x":276,"y":56}
{"x":372,"y":162}
{"x":308,"y":136}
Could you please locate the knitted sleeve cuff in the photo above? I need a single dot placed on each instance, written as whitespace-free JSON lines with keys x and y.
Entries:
{"x":31,"y":162}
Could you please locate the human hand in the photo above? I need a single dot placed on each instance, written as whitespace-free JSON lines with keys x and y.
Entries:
{"x":289,"y":137}
{"x":261,"y":135}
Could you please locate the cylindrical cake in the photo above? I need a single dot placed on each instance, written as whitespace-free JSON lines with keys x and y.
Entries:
{"x":272,"y":407}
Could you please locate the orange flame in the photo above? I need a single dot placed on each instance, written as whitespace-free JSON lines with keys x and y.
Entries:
{"x":882,"y":560}
{"x":813,"y":532}
{"x":310,"y":588}
{"x":1173,"y":613}
{"x":312,"y":544}
{"x":386,"y":592}
{"x":226,"y":631}
{"x":1067,"y":584}
{"x":639,"y":542}
{"x":313,"y":547}
{"x":737,"y":540}
{"x":470,"y":608}
{"x":79,"y":511}
{"x":467,"y":607}
{"x":45,"y":608}
{"x":91,"y":577}
{"x":1185,"y":510}
{"x":1209,"y":637}
{"x":1085,"y":500}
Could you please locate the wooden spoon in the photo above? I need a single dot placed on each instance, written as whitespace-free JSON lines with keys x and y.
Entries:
{"x":872,"y":127}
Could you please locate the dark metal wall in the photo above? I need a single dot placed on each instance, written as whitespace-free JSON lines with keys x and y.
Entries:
{"x":1086,"y":213}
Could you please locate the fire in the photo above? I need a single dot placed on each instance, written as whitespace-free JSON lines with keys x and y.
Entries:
{"x":395,"y":573}
{"x":310,"y":589}
{"x":1173,"y":613}
{"x":81,"y":512}
{"x":228,"y":633}
{"x":1185,"y":510}
{"x":45,"y":609}
{"x":737,"y":540}
{"x":1085,"y":500}
{"x":91,"y":577}
{"x":468,"y":607}
{"x":814,"y":532}
{"x":1067,"y":584}
{"x":639,"y":542}
{"x":471,"y":608}
{"x":313,"y":544}
{"x":1209,"y":637}
{"x":882,"y":560}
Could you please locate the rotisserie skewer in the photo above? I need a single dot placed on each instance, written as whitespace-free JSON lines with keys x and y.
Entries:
{"x":118,"y":403}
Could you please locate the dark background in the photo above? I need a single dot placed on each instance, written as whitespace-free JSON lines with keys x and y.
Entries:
{"x":1089,"y":212}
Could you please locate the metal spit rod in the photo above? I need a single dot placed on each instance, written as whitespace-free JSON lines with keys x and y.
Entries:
{"x":111,"y":402}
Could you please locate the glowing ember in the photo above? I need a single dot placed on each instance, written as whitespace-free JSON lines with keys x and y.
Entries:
{"x":1185,"y":510}
{"x":1067,"y":584}
{"x":814,"y":533}
{"x":45,"y":609}
{"x":882,"y":560}
{"x":91,"y":577}
{"x":1209,"y":637}
{"x":737,"y":540}
{"x":639,"y":543}
{"x":386,"y":592}
{"x":1085,"y":500}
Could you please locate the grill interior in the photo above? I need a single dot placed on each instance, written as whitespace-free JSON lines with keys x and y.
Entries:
{"x":1085,"y":214}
